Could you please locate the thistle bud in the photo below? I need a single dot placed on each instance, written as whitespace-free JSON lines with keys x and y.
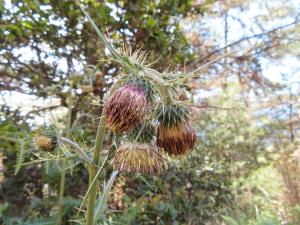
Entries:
{"x":137,"y":157}
{"x":45,"y":139}
{"x":174,"y":133}
{"x":125,"y":108}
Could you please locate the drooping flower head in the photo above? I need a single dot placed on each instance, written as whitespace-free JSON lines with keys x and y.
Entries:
{"x":139,"y":154}
{"x":125,"y":108}
{"x":45,"y":139}
{"x":134,"y":157}
{"x":174,"y":133}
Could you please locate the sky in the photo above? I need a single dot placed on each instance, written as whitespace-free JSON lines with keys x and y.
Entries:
{"x":255,"y":10}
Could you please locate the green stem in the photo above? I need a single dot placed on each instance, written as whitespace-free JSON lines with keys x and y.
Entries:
{"x":102,"y":37}
{"x":8,"y":139}
{"x":63,"y":167}
{"x":162,"y":86}
{"x":61,"y":191}
{"x":93,"y":169}
{"x":165,"y":94}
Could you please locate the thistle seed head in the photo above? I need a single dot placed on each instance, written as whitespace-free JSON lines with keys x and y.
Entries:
{"x":134,"y":157}
{"x":125,"y":108}
{"x":44,"y":143}
{"x":45,"y":139}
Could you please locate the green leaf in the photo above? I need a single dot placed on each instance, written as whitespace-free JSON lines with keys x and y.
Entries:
{"x":3,"y":207}
{"x":20,"y":156}
{"x":151,"y":22}
{"x":101,"y":202}
{"x":229,"y":221}
{"x":27,"y":24}
{"x":41,"y":221}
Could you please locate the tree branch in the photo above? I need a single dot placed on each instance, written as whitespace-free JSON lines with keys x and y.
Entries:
{"x":250,"y":37}
{"x":44,"y":109}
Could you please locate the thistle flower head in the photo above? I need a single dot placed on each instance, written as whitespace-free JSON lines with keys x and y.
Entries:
{"x":45,"y":139}
{"x":174,"y":133}
{"x":176,"y":140}
{"x":137,"y":157}
{"x":125,"y":108}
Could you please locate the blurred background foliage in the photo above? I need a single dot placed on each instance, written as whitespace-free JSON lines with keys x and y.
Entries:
{"x":245,"y":169}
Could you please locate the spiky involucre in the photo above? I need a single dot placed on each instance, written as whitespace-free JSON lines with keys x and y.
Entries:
{"x":171,"y":115}
{"x":145,"y":85}
{"x":134,"y":157}
{"x":142,"y":133}
{"x":125,"y":108}
{"x":175,"y":134}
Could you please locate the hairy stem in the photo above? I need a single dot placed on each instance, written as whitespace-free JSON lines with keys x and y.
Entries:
{"x":93,"y":169}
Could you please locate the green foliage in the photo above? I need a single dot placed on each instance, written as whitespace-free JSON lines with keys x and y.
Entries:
{"x":229,"y":221}
{"x":262,"y":219}
{"x":41,"y":221}
{"x":3,"y":207}
{"x":60,"y":26}
{"x":23,"y":193}
{"x":20,"y":156}
{"x":179,"y":196}
{"x":295,"y":211}
{"x":231,"y":138}
{"x":129,"y":215}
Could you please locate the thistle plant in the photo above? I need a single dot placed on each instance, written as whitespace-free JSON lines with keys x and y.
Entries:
{"x":141,"y":99}
{"x":144,"y":107}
